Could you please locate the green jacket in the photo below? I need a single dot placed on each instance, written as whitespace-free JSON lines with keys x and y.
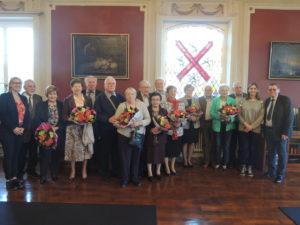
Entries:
{"x":214,"y":112}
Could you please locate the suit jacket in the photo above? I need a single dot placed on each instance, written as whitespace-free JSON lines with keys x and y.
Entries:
{"x":42,"y":113}
{"x":140,"y":97}
{"x":105,"y":110}
{"x":214,"y":112}
{"x":282,"y":119}
{"x":36,"y":99}
{"x":203,"y":103}
{"x":9,"y":113}
{"x":69,"y":105}
{"x":97,"y":92}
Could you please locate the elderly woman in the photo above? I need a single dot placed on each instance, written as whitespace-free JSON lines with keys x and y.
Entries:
{"x":174,"y":138}
{"x":222,"y":126}
{"x":251,"y":116}
{"x":156,"y":138}
{"x":191,"y":128}
{"x":75,"y":150}
{"x":14,"y":121}
{"x":50,"y":111}
{"x":130,"y":153}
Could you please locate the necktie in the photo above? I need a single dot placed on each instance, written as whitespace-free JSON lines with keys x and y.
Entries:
{"x":30,"y":105}
{"x":91,"y":95}
{"x":269,"y":116}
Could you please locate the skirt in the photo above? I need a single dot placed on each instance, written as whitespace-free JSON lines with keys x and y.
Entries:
{"x":74,"y":148}
{"x":155,"y":148}
{"x":173,"y":147}
{"x":190,"y":136}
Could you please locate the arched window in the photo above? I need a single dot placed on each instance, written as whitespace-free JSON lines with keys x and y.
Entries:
{"x":194,"y":53}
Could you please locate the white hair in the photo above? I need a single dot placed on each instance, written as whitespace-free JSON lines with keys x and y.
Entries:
{"x":237,"y":84}
{"x":222,"y":86}
{"x":89,"y":77}
{"x":109,"y":78}
{"x":130,"y":89}
{"x":144,"y":82}
{"x":28,"y":81}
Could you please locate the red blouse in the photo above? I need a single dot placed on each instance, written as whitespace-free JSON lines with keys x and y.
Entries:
{"x":21,"y":112}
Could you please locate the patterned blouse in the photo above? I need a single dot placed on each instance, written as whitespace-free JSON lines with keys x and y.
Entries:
{"x":53,"y":115}
{"x":21,"y":112}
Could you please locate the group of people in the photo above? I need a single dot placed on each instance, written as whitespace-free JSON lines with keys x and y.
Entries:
{"x":226,"y":140}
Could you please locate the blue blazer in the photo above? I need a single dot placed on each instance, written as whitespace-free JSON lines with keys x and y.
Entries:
{"x":105,"y":110}
{"x":9,"y":113}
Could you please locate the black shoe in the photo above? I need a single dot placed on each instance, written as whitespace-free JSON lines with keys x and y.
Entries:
{"x":185,"y":166}
{"x":278,"y":180}
{"x":11,"y":185}
{"x":123,"y":184}
{"x":136,"y":183}
{"x":150,"y":178}
{"x":173,"y":173}
{"x":167,"y":174}
{"x":42,"y":180}
{"x":18,"y":184}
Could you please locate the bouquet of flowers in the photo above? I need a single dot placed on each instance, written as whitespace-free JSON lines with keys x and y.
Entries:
{"x":193,"y":110}
{"x":82,"y":115}
{"x":162,"y":122}
{"x":229,"y":110}
{"x":125,"y":118}
{"x":176,"y":117}
{"x":46,"y":136}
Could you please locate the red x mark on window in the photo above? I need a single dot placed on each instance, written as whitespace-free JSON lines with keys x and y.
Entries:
{"x":194,"y":60}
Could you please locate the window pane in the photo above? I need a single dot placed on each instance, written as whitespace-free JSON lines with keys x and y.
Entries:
{"x":20,"y":52}
{"x":1,"y":61}
{"x":183,"y":58}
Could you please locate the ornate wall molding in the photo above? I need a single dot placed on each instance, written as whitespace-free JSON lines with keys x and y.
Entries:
{"x":12,"y":6}
{"x":196,"y":8}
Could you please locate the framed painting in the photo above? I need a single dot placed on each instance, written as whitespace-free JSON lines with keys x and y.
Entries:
{"x":100,"y":55}
{"x":284,"y":61}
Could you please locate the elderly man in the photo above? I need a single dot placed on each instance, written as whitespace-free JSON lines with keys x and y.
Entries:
{"x":234,"y":154}
{"x":206,"y":125}
{"x":160,"y":88}
{"x":144,"y":91}
{"x":278,"y":122}
{"x":106,"y":104}
{"x":30,"y":144}
{"x":91,"y":88}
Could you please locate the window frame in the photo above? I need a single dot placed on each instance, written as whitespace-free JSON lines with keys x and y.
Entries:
{"x":11,"y":22}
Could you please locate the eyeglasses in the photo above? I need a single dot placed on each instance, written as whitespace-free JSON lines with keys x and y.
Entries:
{"x":272,"y":89}
{"x":16,"y":83}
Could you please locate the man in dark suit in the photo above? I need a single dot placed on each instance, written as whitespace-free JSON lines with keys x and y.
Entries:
{"x":206,"y":125}
{"x":92,"y":92}
{"x":91,"y":88}
{"x":144,"y":91}
{"x":278,"y":122}
{"x":234,"y":155}
{"x":30,"y":145}
{"x":106,"y":105}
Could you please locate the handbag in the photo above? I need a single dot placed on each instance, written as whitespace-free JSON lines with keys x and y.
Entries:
{"x":136,"y":140}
